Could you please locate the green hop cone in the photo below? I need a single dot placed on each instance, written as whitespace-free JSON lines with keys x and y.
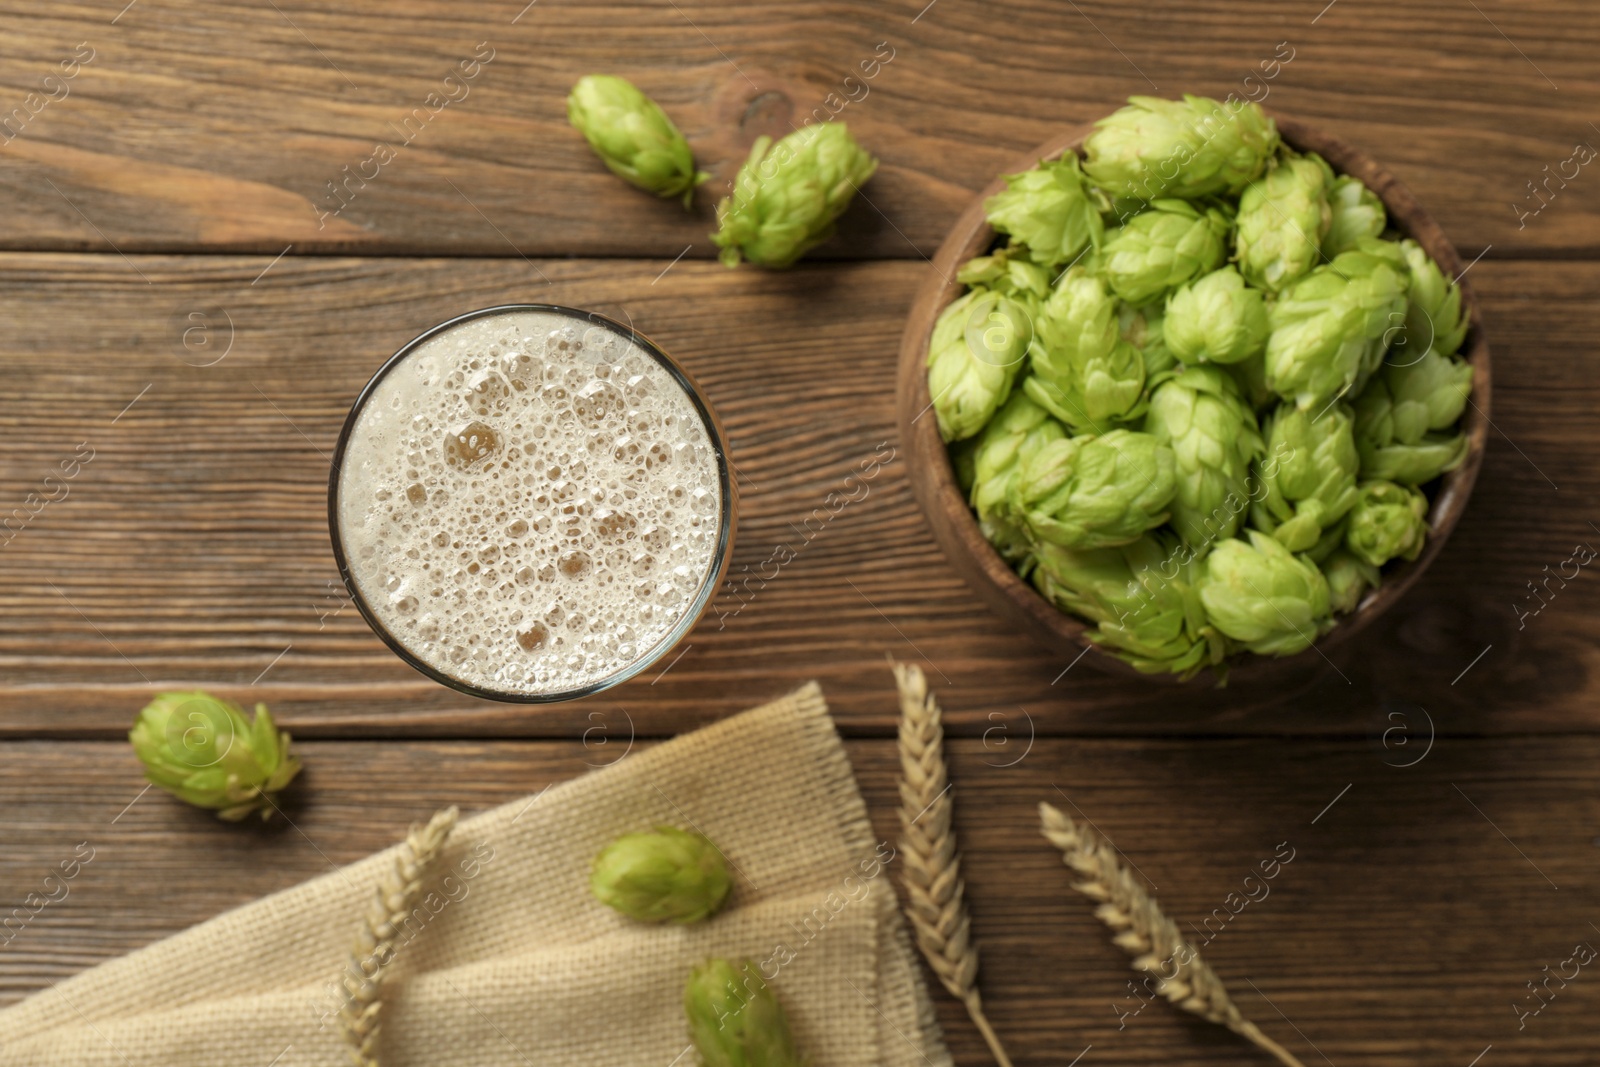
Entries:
{"x":1392,"y":344}
{"x":1214,"y":439}
{"x":1348,"y":580}
{"x":1083,"y":372}
{"x":1399,"y":412}
{"x":1010,"y":272}
{"x":1050,"y":208}
{"x":978,"y":345}
{"x":1414,"y":464}
{"x":1357,"y":213}
{"x":1145,"y":329}
{"x":1434,"y":318}
{"x":1331,"y":327}
{"x":1077,"y":324}
{"x":1216,"y":319}
{"x":1162,"y":247}
{"x":787,"y":195}
{"x":1142,"y":597}
{"x":735,"y":1019}
{"x":1331,"y":541}
{"x":1016,"y":432}
{"x":1094,"y":492}
{"x":1310,"y":480}
{"x":1194,"y":147}
{"x":1283,"y":216}
{"x":666,"y":875}
{"x":1428,"y":394}
{"x":1264,"y":596}
{"x":633,"y":137}
{"x":1388,"y":521}
{"x":205,"y":752}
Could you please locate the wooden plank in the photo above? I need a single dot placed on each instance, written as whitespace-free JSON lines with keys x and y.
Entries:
{"x":1401,"y":932}
{"x":240,"y":126}
{"x":192,"y":549}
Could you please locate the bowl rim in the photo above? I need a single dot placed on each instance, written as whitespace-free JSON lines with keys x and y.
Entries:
{"x":956,"y":529}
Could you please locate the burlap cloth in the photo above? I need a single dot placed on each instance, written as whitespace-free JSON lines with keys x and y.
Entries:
{"x":511,"y":962}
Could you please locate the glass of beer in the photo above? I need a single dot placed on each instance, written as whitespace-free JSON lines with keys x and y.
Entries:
{"x":531,"y":503}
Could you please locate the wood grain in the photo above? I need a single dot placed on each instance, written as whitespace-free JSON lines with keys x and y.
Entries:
{"x":193,"y":549}
{"x":221,"y":124}
{"x":170,"y":406}
{"x":1401,"y":932}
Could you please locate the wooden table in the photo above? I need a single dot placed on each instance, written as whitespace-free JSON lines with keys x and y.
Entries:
{"x":180,"y":302}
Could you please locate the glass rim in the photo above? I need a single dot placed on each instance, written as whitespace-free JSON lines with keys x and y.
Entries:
{"x":725,"y":525}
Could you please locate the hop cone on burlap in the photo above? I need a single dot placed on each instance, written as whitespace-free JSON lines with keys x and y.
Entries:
{"x":1283,"y":216}
{"x":666,"y":875}
{"x":1154,"y":148}
{"x":633,"y":137}
{"x":1083,"y":372}
{"x":979,"y":343}
{"x":1012,"y":437}
{"x":1050,"y":208}
{"x":1263,"y":596}
{"x":1356,"y":213}
{"x":1094,"y":492}
{"x":787,"y":195}
{"x":1310,"y":482}
{"x":1388,"y":521}
{"x":1142,"y":597}
{"x":1399,"y":416}
{"x":1349,"y":579}
{"x":1330,"y":328}
{"x":1214,"y":439}
{"x":735,"y":1019}
{"x":1162,"y":247}
{"x":1216,"y":319}
{"x":205,"y":752}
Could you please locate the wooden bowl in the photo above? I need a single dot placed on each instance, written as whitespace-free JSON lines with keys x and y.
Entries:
{"x":956,"y":529}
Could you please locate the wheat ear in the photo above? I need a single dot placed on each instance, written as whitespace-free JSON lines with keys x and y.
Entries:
{"x":1146,"y":933}
{"x":375,"y":944}
{"x":931,"y":867}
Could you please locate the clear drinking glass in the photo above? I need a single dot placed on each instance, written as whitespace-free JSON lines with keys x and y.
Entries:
{"x":370,"y":438}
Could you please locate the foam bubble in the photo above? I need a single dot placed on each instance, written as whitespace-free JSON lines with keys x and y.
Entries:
{"x":528,"y":504}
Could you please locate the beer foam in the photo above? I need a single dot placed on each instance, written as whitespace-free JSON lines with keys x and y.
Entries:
{"x":529,"y":503}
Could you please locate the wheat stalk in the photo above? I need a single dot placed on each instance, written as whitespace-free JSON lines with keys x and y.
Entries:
{"x":931,"y":866}
{"x":1146,"y":933}
{"x":375,"y":944}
